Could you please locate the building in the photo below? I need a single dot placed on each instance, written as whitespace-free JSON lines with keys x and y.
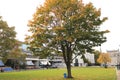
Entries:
{"x":115,"y":57}
{"x":90,"y":58}
{"x":78,"y":61}
{"x":56,"y":61}
{"x":31,"y":60}
{"x":34,"y":61}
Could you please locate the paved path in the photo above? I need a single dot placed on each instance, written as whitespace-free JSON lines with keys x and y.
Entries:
{"x":118,"y":74}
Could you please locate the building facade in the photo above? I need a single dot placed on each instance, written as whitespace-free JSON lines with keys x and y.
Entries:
{"x":78,"y":61}
{"x":115,"y":57}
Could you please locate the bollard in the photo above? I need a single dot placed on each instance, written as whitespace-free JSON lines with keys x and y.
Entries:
{"x":65,"y":75}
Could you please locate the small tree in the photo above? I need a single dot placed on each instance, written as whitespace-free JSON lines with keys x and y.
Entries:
{"x":16,"y":55}
{"x":104,"y":58}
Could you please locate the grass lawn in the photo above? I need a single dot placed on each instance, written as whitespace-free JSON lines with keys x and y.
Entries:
{"x":88,"y":73}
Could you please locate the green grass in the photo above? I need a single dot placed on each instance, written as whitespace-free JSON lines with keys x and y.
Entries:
{"x":89,"y":73}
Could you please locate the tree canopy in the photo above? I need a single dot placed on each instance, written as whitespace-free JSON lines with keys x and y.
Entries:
{"x":7,"y":38}
{"x":67,"y":27}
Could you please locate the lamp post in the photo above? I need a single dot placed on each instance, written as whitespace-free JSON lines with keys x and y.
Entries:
{"x":118,"y":57}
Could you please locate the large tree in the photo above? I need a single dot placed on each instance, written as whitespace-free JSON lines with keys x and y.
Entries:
{"x":67,"y":27}
{"x":7,"y":38}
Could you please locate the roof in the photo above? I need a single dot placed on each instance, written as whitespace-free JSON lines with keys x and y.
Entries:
{"x":1,"y":63}
{"x":30,"y":59}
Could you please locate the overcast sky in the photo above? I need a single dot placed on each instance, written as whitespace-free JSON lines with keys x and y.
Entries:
{"x":18,"y":12}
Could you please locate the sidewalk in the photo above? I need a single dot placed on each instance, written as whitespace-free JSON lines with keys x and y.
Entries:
{"x":118,"y":74}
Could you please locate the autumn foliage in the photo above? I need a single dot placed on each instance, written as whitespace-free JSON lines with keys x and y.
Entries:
{"x":66,"y":27}
{"x":104,"y":58}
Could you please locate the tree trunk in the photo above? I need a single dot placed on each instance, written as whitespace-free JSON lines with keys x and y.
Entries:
{"x":67,"y":55}
{"x":69,"y":70}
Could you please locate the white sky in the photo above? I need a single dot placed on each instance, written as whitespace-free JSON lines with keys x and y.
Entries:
{"x":18,"y":12}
